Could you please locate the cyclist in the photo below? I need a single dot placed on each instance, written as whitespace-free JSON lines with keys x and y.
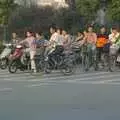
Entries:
{"x":60,"y":37}
{"x":114,"y":39}
{"x":114,"y":36}
{"x":67,"y":42}
{"x":77,"y":43}
{"x":102,"y":40}
{"x":90,"y":39}
{"x":53,"y":41}
{"x":91,"y":36}
{"x":40,"y":43}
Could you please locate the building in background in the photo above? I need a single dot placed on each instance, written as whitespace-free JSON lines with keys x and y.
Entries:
{"x":71,"y":4}
{"x":54,"y":3}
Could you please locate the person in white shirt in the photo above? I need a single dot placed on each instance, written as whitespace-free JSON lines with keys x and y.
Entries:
{"x":52,"y":42}
{"x":114,"y":35}
{"x":60,"y":39}
{"x":114,"y":39}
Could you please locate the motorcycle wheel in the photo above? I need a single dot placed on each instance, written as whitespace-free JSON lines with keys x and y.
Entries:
{"x":13,"y":67}
{"x":3,"y":64}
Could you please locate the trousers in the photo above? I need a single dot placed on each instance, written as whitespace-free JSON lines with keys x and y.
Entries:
{"x":32,"y":55}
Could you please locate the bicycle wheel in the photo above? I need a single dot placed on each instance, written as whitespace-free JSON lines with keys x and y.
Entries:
{"x":85,"y":63}
{"x":29,"y":67}
{"x":112,"y":63}
{"x":47,"y":68}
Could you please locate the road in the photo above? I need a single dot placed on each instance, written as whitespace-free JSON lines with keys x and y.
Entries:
{"x":83,"y":96}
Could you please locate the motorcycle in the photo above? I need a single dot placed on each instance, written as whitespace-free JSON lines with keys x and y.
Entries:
{"x":4,"y":56}
{"x":19,"y":60}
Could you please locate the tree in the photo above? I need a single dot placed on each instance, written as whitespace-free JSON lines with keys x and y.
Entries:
{"x":6,"y":7}
{"x":87,"y":9}
{"x":114,"y":10}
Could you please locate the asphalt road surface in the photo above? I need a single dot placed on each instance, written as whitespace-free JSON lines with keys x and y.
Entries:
{"x":83,"y":96}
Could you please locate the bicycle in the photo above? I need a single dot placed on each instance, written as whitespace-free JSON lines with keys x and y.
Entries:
{"x":88,"y":57}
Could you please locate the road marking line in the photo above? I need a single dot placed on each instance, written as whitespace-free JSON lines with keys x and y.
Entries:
{"x":41,"y":84}
{"x":6,"y":89}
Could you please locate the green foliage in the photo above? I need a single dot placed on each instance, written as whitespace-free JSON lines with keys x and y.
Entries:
{"x":87,"y":8}
{"x":113,"y":10}
{"x":6,"y":7}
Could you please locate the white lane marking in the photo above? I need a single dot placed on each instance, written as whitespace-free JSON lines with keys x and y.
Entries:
{"x":41,"y":84}
{"x":6,"y":89}
{"x":91,"y":77}
{"x":64,"y":77}
{"x":109,"y":81}
{"x":54,"y":75}
{"x":70,"y":79}
{"x":78,"y":82}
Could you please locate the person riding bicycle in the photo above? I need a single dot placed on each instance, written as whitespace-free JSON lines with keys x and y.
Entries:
{"x":53,"y":42}
{"x":40,"y":43}
{"x":114,"y":39}
{"x":90,"y":41}
{"x":55,"y":45}
{"x":67,"y":43}
{"x":102,"y":40}
{"x":91,"y":37}
{"x":78,"y":42}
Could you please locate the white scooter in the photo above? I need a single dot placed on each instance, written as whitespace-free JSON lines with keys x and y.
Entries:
{"x":4,"y":56}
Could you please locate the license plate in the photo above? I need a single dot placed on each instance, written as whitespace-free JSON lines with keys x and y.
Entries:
{"x":118,"y":59}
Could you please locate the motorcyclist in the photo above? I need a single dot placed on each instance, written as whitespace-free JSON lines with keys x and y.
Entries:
{"x":15,"y":39}
{"x":30,"y":42}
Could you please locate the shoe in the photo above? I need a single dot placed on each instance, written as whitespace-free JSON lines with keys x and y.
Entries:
{"x":33,"y":71}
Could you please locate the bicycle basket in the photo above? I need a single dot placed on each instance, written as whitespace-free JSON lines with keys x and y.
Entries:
{"x":113,"y":49}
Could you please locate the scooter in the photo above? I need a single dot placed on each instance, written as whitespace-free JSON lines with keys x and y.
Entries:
{"x":18,"y":60}
{"x":4,"y":56}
